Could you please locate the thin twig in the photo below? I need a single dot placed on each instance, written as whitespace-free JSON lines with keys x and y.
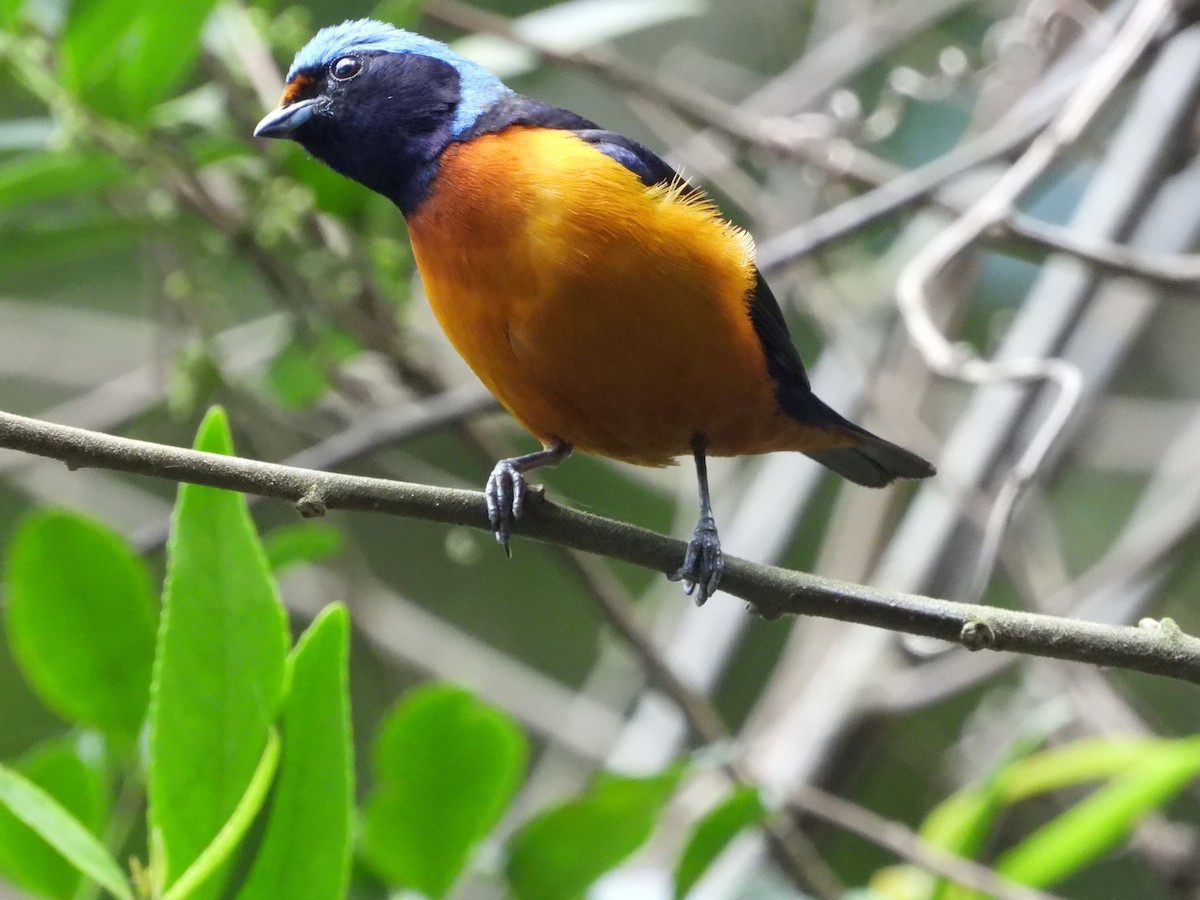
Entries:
{"x":959,"y":361}
{"x":394,"y":425}
{"x":1177,"y":269}
{"x":927,"y":185}
{"x":908,"y":845}
{"x":1156,"y":648}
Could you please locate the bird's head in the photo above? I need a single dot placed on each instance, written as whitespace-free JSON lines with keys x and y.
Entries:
{"x":378,"y":104}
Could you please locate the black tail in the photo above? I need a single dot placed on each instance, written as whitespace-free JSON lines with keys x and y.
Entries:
{"x":867,"y":459}
{"x":872,"y":461}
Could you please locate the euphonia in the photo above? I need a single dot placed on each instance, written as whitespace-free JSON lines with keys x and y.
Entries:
{"x":604,"y":300}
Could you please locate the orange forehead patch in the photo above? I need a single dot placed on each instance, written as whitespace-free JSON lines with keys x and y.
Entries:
{"x":295,"y":89}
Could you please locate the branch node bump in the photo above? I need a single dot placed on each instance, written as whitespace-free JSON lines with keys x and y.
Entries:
{"x":1167,"y":628}
{"x":977,"y":636}
{"x":312,"y":504}
{"x":766,"y":611}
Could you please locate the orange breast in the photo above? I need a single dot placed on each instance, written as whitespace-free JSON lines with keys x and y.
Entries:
{"x":598,"y":311}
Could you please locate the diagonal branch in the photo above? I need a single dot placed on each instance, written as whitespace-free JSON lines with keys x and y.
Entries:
{"x":1158,"y":648}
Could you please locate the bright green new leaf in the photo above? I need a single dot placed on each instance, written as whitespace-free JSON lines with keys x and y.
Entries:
{"x":559,"y":853}
{"x":219,"y":676}
{"x":712,"y":834}
{"x":218,"y":852}
{"x":10,"y":12}
{"x":305,"y":850}
{"x":92,"y":53}
{"x":28,"y":860}
{"x":81,"y":620}
{"x":46,"y":816}
{"x":962,"y":822}
{"x":446,"y":765}
{"x":1141,"y":770}
{"x":1071,"y":764}
{"x":1104,"y":819}
{"x":301,"y":542}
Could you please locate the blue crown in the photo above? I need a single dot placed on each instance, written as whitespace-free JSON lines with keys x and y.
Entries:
{"x":478,"y":88}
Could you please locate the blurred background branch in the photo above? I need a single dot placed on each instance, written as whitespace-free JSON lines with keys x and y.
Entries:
{"x":156,"y":260}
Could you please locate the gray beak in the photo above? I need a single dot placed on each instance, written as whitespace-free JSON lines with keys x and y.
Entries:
{"x":282,"y":122}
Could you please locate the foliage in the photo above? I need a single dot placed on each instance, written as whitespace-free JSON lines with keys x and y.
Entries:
{"x":563,"y":850}
{"x":158,"y":705}
{"x":446,"y":766}
{"x":220,"y":690}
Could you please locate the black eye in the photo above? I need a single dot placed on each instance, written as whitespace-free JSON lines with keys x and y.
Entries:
{"x":345,"y":68}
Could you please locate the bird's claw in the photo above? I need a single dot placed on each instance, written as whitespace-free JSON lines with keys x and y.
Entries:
{"x":703,"y":562}
{"x":505,"y":493}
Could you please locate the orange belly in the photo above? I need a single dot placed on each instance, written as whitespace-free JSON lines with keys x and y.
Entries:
{"x":598,"y":311}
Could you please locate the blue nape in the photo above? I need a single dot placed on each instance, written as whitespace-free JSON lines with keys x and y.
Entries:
{"x":479,"y":88}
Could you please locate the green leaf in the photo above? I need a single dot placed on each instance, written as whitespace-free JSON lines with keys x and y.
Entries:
{"x":962,"y":822}
{"x":305,"y":851}
{"x":712,"y":834}
{"x":301,"y":542}
{"x":218,"y":852}
{"x":1143,"y":774}
{"x":92,"y":51}
{"x":559,"y":853}
{"x":299,"y":373}
{"x":446,"y":765}
{"x":1092,"y":759}
{"x":39,"y":177}
{"x":80,"y":614}
{"x":1104,"y":819}
{"x":49,"y":243}
{"x":168,"y":48}
{"x":10,"y":12}
{"x":219,"y":675}
{"x":46,"y":816}
{"x":26,"y":858}
{"x":121,"y":57}
{"x":296,"y":377}
{"x":401,"y":13}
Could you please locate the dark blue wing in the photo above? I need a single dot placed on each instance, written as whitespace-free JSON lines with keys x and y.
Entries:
{"x":519,"y":110}
{"x":643,"y":162}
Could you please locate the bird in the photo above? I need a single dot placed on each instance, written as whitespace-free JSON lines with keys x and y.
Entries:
{"x":603,"y":299}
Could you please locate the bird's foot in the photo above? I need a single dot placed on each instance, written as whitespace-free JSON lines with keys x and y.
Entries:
{"x":505,"y":493}
{"x":506,"y":487}
{"x":702,"y":563}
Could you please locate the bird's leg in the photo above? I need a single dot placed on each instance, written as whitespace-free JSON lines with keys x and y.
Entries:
{"x":505,"y":489}
{"x":703,"y":562}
